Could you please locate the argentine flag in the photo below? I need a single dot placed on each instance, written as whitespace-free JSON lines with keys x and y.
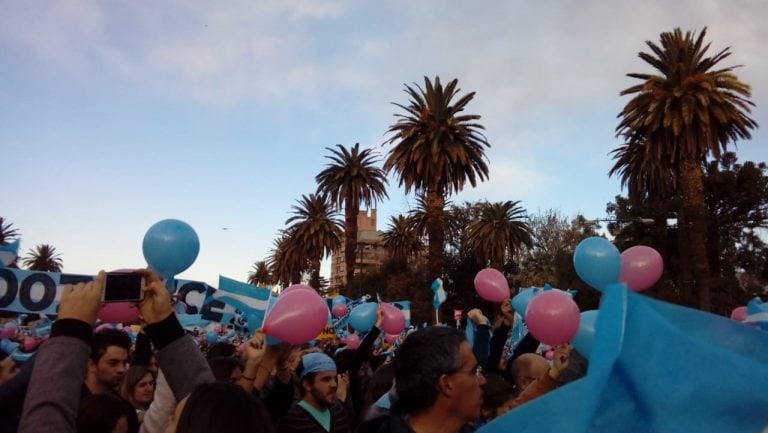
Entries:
{"x":9,"y":252}
{"x":657,"y":367}
{"x":439,"y":297}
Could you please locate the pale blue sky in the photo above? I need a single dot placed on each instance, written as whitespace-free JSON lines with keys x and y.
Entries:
{"x":115,"y":115}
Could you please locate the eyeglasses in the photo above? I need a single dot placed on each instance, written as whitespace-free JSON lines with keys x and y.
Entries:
{"x":477,"y":371}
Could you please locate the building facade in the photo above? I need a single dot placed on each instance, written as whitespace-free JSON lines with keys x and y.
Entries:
{"x":370,"y":253}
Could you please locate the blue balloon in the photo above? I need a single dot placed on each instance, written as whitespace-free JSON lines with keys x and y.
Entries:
{"x":211,"y":337}
{"x":521,"y":300}
{"x":585,"y":337}
{"x":597,"y":262}
{"x":340,"y":299}
{"x":170,"y":247}
{"x":363,"y":317}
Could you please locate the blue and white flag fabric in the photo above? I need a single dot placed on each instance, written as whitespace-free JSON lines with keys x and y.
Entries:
{"x":439,"y":293}
{"x":251,"y":301}
{"x":9,"y":252}
{"x":657,"y":367}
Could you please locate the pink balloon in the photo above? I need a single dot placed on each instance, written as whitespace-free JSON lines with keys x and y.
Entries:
{"x":394,"y":320}
{"x":297,"y":317}
{"x":298,"y":287}
{"x":119,"y":312}
{"x":30,"y":344}
{"x":353,"y":341}
{"x":7,"y":333}
{"x":641,"y":267}
{"x":340,"y":310}
{"x":343,"y":340}
{"x":390,"y":338}
{"x":553,"y":317}
{"x":492,"y":285}
{"x":739,"y":314}
{"x":550,"y":355}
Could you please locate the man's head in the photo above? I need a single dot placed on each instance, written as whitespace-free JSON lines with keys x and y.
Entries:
{"x":109,"y":357}
{"x":317,"y":372}
{"x":8,"y":368}
{"x":526,"y":368}
{"x":436,"y":369}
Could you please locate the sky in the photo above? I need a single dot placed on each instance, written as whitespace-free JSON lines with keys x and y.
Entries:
{"x":116,"y":115}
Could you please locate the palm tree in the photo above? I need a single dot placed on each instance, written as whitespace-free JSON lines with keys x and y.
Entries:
{"x":315,"y":232}
{"x":43,"y":258}
{"x":687,"y":113}
{"x":7,"y":232}
{"x":499,"y":232}
{"x":284,"y":264}
{"x":352,"y":179}
{"x":260,"y":275}
{"x":437,"y":151}
{"x":401,"y":239}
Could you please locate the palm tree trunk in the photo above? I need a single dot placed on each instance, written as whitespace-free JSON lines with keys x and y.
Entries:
{"x":314,"y":280}
{"x":695,"y":219}
{"x":435,"y":231}
{"x":350,"y":240}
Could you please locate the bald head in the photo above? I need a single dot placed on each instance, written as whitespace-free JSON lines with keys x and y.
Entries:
{"x":527,"y":368}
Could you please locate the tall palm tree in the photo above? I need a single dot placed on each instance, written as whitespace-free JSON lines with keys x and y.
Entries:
{"x":285,"y":265}
{"x":499,"y":232}
{"x":352,"y":179}
{"x":401,"y":239}
{"x":43,"y":258}
{"x":683,"y":115}
{"x":315,"y":231}
{"x":260,"y":275}
{"x":7,"y":232}
{"x":437,"y":151}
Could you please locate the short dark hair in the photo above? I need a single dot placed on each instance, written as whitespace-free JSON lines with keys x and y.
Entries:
{"x":222,"y":367}
{"x":221,"y":349}
{"x":106,"y":338}
{"x":3,"y":355}
{"x":223,"y":407}
{"x":99,"y":413}
{"x":423,"y":357}
{"x":496,"y":392}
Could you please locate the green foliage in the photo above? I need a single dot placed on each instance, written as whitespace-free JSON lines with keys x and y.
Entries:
{"x":43,"y":258}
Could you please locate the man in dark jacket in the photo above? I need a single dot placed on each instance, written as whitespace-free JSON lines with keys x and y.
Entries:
{"x":438,"y":383}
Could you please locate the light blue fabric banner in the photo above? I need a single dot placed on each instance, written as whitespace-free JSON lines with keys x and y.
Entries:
{"x":657,"y":367}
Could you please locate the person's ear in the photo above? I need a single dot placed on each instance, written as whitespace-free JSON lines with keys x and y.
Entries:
{"x":91,"y":365}
{"x":445,"y":385}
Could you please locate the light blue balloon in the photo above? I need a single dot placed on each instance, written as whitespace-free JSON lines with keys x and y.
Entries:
{"x":340,"y":299}
{"x":597,"y":262}
{"x":170,"y":247}
{"x":521,"y":300}
{"x":363,"y":317}
{"x":211,"y":337}
{"x":585,"y":337}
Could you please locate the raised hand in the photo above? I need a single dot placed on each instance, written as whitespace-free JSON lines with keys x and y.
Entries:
{"x":156,"y":304}
{"x":255,"y":348}
{"x":560,"y":361}
{"x":82,"y":301}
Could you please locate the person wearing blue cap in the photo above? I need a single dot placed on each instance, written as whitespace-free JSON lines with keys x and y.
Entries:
{"x":319,"y":410}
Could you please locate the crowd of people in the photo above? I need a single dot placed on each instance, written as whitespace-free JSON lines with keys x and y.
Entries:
{"x":435,"y":381}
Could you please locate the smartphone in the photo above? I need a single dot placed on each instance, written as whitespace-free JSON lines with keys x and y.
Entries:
{"x":123,"y":287}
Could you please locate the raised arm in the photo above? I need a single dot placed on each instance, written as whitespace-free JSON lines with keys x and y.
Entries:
{"x":53,"y":396}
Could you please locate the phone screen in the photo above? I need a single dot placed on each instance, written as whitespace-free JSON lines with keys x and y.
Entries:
{"x":123,"y":287}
